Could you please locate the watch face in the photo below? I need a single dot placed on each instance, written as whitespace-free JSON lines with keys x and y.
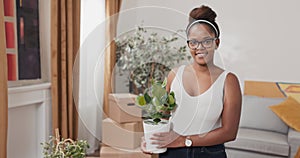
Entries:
{"x":188,"y":142}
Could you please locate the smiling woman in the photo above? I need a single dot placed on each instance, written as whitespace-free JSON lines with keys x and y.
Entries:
{"x":209,"y":105}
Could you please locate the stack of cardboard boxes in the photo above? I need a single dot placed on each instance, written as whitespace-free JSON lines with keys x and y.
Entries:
{"x":123,"y":129}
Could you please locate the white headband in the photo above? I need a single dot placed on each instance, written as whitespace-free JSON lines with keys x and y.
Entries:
{"x":203,"y":21}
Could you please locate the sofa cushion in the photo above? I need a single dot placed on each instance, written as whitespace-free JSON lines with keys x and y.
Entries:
{"x":257,"y":114}
{"x":260,"y":141}
{"x":289,"y":112}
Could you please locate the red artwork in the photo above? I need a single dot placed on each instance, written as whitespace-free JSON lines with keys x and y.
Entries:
{"x":12,"y":67}
{"x":10,"y":35}
{"x":8,"y":7}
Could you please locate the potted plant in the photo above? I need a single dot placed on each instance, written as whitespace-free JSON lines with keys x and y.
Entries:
{"x":64,"y":148}
{"x":147,"y":55}
{"x":158,"y":105}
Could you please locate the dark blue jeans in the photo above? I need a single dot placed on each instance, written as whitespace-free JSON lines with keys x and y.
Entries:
{"x":215,"y":151}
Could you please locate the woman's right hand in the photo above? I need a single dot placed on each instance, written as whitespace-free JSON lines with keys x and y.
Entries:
{"x":143,"y":146}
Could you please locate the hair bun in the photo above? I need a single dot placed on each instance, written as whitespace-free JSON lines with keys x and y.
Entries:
{"x":202,"y":12}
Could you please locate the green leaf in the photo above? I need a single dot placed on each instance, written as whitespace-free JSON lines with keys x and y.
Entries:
{"x":159,"y":108}
{"x":164,"y":84}
{"x":173,"y":94}
{"x":171,"y":99}
{"x":147,"y":98}
{"x":158,"y":91}
{"x":156,"y":102}
{"x":164,"y":98}
{"x":156,"y":120}
{"x":141,"y":100}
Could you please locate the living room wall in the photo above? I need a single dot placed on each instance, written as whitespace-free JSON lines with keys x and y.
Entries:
{"x":259,"y":39}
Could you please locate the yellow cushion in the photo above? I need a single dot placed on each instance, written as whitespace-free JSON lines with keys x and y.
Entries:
{"x":289,"y":112}
{"x":298,"y":153}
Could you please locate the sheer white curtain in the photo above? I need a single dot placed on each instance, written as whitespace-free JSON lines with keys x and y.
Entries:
{"x":91,"y":72}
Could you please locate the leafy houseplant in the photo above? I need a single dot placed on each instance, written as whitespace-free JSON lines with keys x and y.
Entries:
{"x":147,"y":55}
{"x":158,"y":104}
{"x":64,"y":148}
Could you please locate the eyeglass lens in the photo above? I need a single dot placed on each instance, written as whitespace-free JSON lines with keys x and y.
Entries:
{"x":194,"y":44}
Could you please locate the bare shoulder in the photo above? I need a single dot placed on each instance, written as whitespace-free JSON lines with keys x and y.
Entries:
{"x":174,"y":70}
{"x":231,"y":80}
{"x":172,"y":73}
{"x":232,"y":88}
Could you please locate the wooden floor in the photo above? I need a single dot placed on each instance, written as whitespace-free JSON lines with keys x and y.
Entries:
{"x":97,"y":155}
{"x":94,"y":155}
{"x":110,"y":152}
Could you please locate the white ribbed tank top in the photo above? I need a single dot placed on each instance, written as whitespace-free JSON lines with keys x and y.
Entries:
{"x":197,"y":114}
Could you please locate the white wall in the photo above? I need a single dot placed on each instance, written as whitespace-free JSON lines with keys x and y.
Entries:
{"x":29,"y":120}
{"x":259,"y":39}
{"x":90,"y":59}
{"x":29,"y":102}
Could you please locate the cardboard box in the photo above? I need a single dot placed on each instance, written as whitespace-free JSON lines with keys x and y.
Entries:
{"x":122,"y":108}
{"x":110,"y":152}
{"x":122,"y":135}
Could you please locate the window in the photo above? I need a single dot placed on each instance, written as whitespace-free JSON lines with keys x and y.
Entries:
{"x":27,"y":18}
{"x":23,"y":40}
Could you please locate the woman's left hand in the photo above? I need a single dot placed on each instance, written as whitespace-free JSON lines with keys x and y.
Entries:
{"x":168,"y":139}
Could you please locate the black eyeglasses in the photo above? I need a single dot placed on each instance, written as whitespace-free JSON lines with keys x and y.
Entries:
{"x":194,"y":44}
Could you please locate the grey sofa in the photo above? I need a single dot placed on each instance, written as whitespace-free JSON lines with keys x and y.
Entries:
{"x":262,"y":134}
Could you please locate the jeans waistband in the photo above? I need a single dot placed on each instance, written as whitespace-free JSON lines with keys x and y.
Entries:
{"x":214,"y":151}
{"x":213,"y":147}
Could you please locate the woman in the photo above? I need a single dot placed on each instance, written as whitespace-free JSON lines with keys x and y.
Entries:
{"x":209,"y":98}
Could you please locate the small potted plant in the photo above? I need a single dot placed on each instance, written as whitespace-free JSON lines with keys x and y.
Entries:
{"x":64,"y":148}
{"x":158,"y":105}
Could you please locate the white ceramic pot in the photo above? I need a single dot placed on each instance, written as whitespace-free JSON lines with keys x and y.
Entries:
{"x":149,"y":130}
